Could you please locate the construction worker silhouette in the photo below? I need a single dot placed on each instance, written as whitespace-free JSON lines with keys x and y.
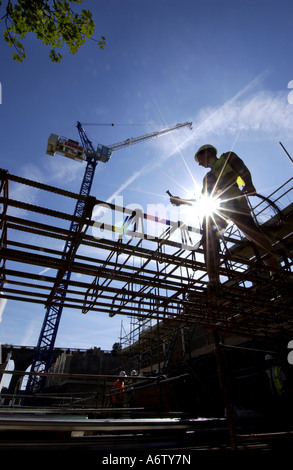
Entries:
{"x":276,"y":376}
{"x":279,"y":380}
{"x":229,"y":181}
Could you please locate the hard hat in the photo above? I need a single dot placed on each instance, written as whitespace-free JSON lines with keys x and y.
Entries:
{"x":205,"y":147}
{"x":268,"y":357}
{"x":133,"y":372}
{"x":122,"y":374}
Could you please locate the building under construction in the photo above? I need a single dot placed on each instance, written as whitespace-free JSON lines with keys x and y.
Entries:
{"x":192,"y":356}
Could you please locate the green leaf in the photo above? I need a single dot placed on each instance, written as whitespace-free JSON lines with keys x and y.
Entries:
{"x":53,"y":22}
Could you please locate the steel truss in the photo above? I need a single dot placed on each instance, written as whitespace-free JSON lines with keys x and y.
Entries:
{"x":146,"y":268}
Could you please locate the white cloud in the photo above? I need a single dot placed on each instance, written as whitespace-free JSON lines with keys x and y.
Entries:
{"x":263,"y":112}
{"x":63,"y":170}
{"x":31,"y":332}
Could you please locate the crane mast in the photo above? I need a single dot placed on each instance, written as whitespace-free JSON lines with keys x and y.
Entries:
{"x":45,"y":346}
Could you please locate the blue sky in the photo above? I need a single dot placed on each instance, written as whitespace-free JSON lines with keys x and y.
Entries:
{"x":223,"y":65}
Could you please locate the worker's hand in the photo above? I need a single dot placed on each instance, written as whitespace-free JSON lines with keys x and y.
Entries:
{"x":175,"y":200}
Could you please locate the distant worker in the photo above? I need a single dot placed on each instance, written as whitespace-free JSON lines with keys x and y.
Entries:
{"x":279,"y":405}
{"x":227,"y":175}
{"x":276,"y":376}
{"x":118,"y":390}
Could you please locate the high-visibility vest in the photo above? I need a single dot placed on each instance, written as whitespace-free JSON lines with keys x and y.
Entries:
{"x":222,"y":167}
{"x":212,"y":180}
{"x":276,"y":377}
{"x":118,"y":386}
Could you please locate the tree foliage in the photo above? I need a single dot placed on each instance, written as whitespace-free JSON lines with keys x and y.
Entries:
{"x":53,"y":22}
{"x":116,"y":349}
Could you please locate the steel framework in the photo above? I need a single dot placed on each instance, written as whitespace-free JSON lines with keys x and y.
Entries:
{"x":82,"y":214}
{"x":135,"y":272}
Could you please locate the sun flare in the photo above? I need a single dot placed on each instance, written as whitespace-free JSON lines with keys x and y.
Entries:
{"x":208,"y":205}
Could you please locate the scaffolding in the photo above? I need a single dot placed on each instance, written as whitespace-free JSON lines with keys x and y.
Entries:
{"x":243,"y":308}
{"x":147,"y":268}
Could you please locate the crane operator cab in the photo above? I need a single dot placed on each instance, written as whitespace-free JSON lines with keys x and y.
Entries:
{"x":72,"y":149}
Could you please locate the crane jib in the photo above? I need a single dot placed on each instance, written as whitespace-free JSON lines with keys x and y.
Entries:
{"x":72,"y":149}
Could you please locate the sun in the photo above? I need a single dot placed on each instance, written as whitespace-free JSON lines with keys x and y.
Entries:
{"x":208,"y":205}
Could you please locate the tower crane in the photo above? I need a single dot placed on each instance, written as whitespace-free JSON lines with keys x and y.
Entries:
{"x":81,"y":152}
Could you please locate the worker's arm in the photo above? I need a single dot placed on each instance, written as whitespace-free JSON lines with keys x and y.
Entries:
{"x":239,"y":167}
{"x":177,"y":201}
